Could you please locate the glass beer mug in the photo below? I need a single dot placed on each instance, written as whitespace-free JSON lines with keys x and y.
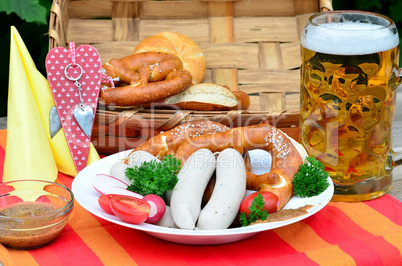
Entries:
{"x":349,"y":75}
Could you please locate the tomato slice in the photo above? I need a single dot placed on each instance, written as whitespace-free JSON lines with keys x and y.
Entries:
{"x":104,"y":202}
{"x":130,"y":209}
{"x":271,"y":201}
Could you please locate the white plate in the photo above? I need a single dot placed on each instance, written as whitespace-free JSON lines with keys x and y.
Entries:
{"x":87,"y":197}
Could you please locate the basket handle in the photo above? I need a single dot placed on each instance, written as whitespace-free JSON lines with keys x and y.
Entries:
{"x":56,"y":25}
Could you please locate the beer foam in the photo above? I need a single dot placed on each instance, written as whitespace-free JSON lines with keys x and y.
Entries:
{"x":349,"y":38}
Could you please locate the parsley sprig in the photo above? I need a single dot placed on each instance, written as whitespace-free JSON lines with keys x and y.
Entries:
{"x":153,"y":177}
{"x":311,"y":179}
{"x":257,"y":211}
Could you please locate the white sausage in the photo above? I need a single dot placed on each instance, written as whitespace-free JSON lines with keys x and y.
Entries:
{"x":167,"y":219}
{"x":228,"y":193}
{"x":118,"y":170}
{"x":187,"y":195}
{"x":168,"y":196}
{"x":138,"y":157}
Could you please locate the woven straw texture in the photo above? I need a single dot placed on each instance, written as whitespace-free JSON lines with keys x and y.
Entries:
{"x":249,"y":45}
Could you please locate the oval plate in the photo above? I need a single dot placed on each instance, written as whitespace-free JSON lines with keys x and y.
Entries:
{"x":87,"y":197}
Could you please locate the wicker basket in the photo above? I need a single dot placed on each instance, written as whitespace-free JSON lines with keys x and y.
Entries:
{"x":249,"y":45}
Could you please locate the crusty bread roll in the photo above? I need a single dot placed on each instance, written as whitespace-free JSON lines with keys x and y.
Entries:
{"x":180,"y":45}
{"x":243,"y":100}
{"x":205,"y":97}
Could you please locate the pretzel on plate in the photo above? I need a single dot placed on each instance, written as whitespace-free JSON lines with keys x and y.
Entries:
{"x":285,"y":157}
{"x":169,"y":141}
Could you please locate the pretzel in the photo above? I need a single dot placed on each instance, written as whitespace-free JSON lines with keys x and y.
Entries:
{"x":285,"y":157}
{"x":143,"y":78}
{"x":138,"y":93}
{"x":169,"y":141}
{"x":152,"y":66}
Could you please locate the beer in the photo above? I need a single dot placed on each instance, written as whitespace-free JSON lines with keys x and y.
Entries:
{"x":348,"y":76}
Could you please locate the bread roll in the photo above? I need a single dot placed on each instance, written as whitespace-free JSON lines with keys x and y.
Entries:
{"x":180,"y":45}
{"x":205,"y":97}
{"x":243,"y":100}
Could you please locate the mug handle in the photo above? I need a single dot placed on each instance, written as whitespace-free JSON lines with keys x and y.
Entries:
{"x":395,"y":156}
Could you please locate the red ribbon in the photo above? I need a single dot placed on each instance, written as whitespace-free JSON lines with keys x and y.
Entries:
{"x":71,"y":46}
{"x":107,"y":79}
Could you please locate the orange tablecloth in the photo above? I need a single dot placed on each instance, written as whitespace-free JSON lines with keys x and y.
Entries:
{"x":365,"y":233}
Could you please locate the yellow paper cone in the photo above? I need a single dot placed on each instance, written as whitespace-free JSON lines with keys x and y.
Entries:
{"x":28,"y":153}
{"x":41,"y":92}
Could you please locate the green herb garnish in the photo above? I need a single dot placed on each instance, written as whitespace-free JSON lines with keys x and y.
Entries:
{"x":257,"y":211}
{"x":311,"y":179}
{"x":153,"y":177}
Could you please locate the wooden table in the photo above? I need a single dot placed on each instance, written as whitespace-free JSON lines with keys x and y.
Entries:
{"x":359,"y":233}
{"x":396,"y":190}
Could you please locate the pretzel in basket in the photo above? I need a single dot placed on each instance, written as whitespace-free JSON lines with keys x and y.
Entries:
{"x":286,"y":159}
{"x":143,"y":78}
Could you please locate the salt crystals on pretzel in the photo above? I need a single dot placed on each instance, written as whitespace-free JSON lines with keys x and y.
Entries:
{"x":169,"y":141}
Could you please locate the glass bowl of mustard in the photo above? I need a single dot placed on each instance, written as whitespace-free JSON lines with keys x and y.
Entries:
{"x":33,"y":212}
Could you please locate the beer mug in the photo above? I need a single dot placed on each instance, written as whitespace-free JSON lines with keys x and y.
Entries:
{"x":349,"y":75}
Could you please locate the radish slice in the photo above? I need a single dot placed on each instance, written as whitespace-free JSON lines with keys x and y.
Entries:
{"x":123,"y":191}
{"x":118,"y":170}
{"x":158,"y":208}
{"x":102,"y":183}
